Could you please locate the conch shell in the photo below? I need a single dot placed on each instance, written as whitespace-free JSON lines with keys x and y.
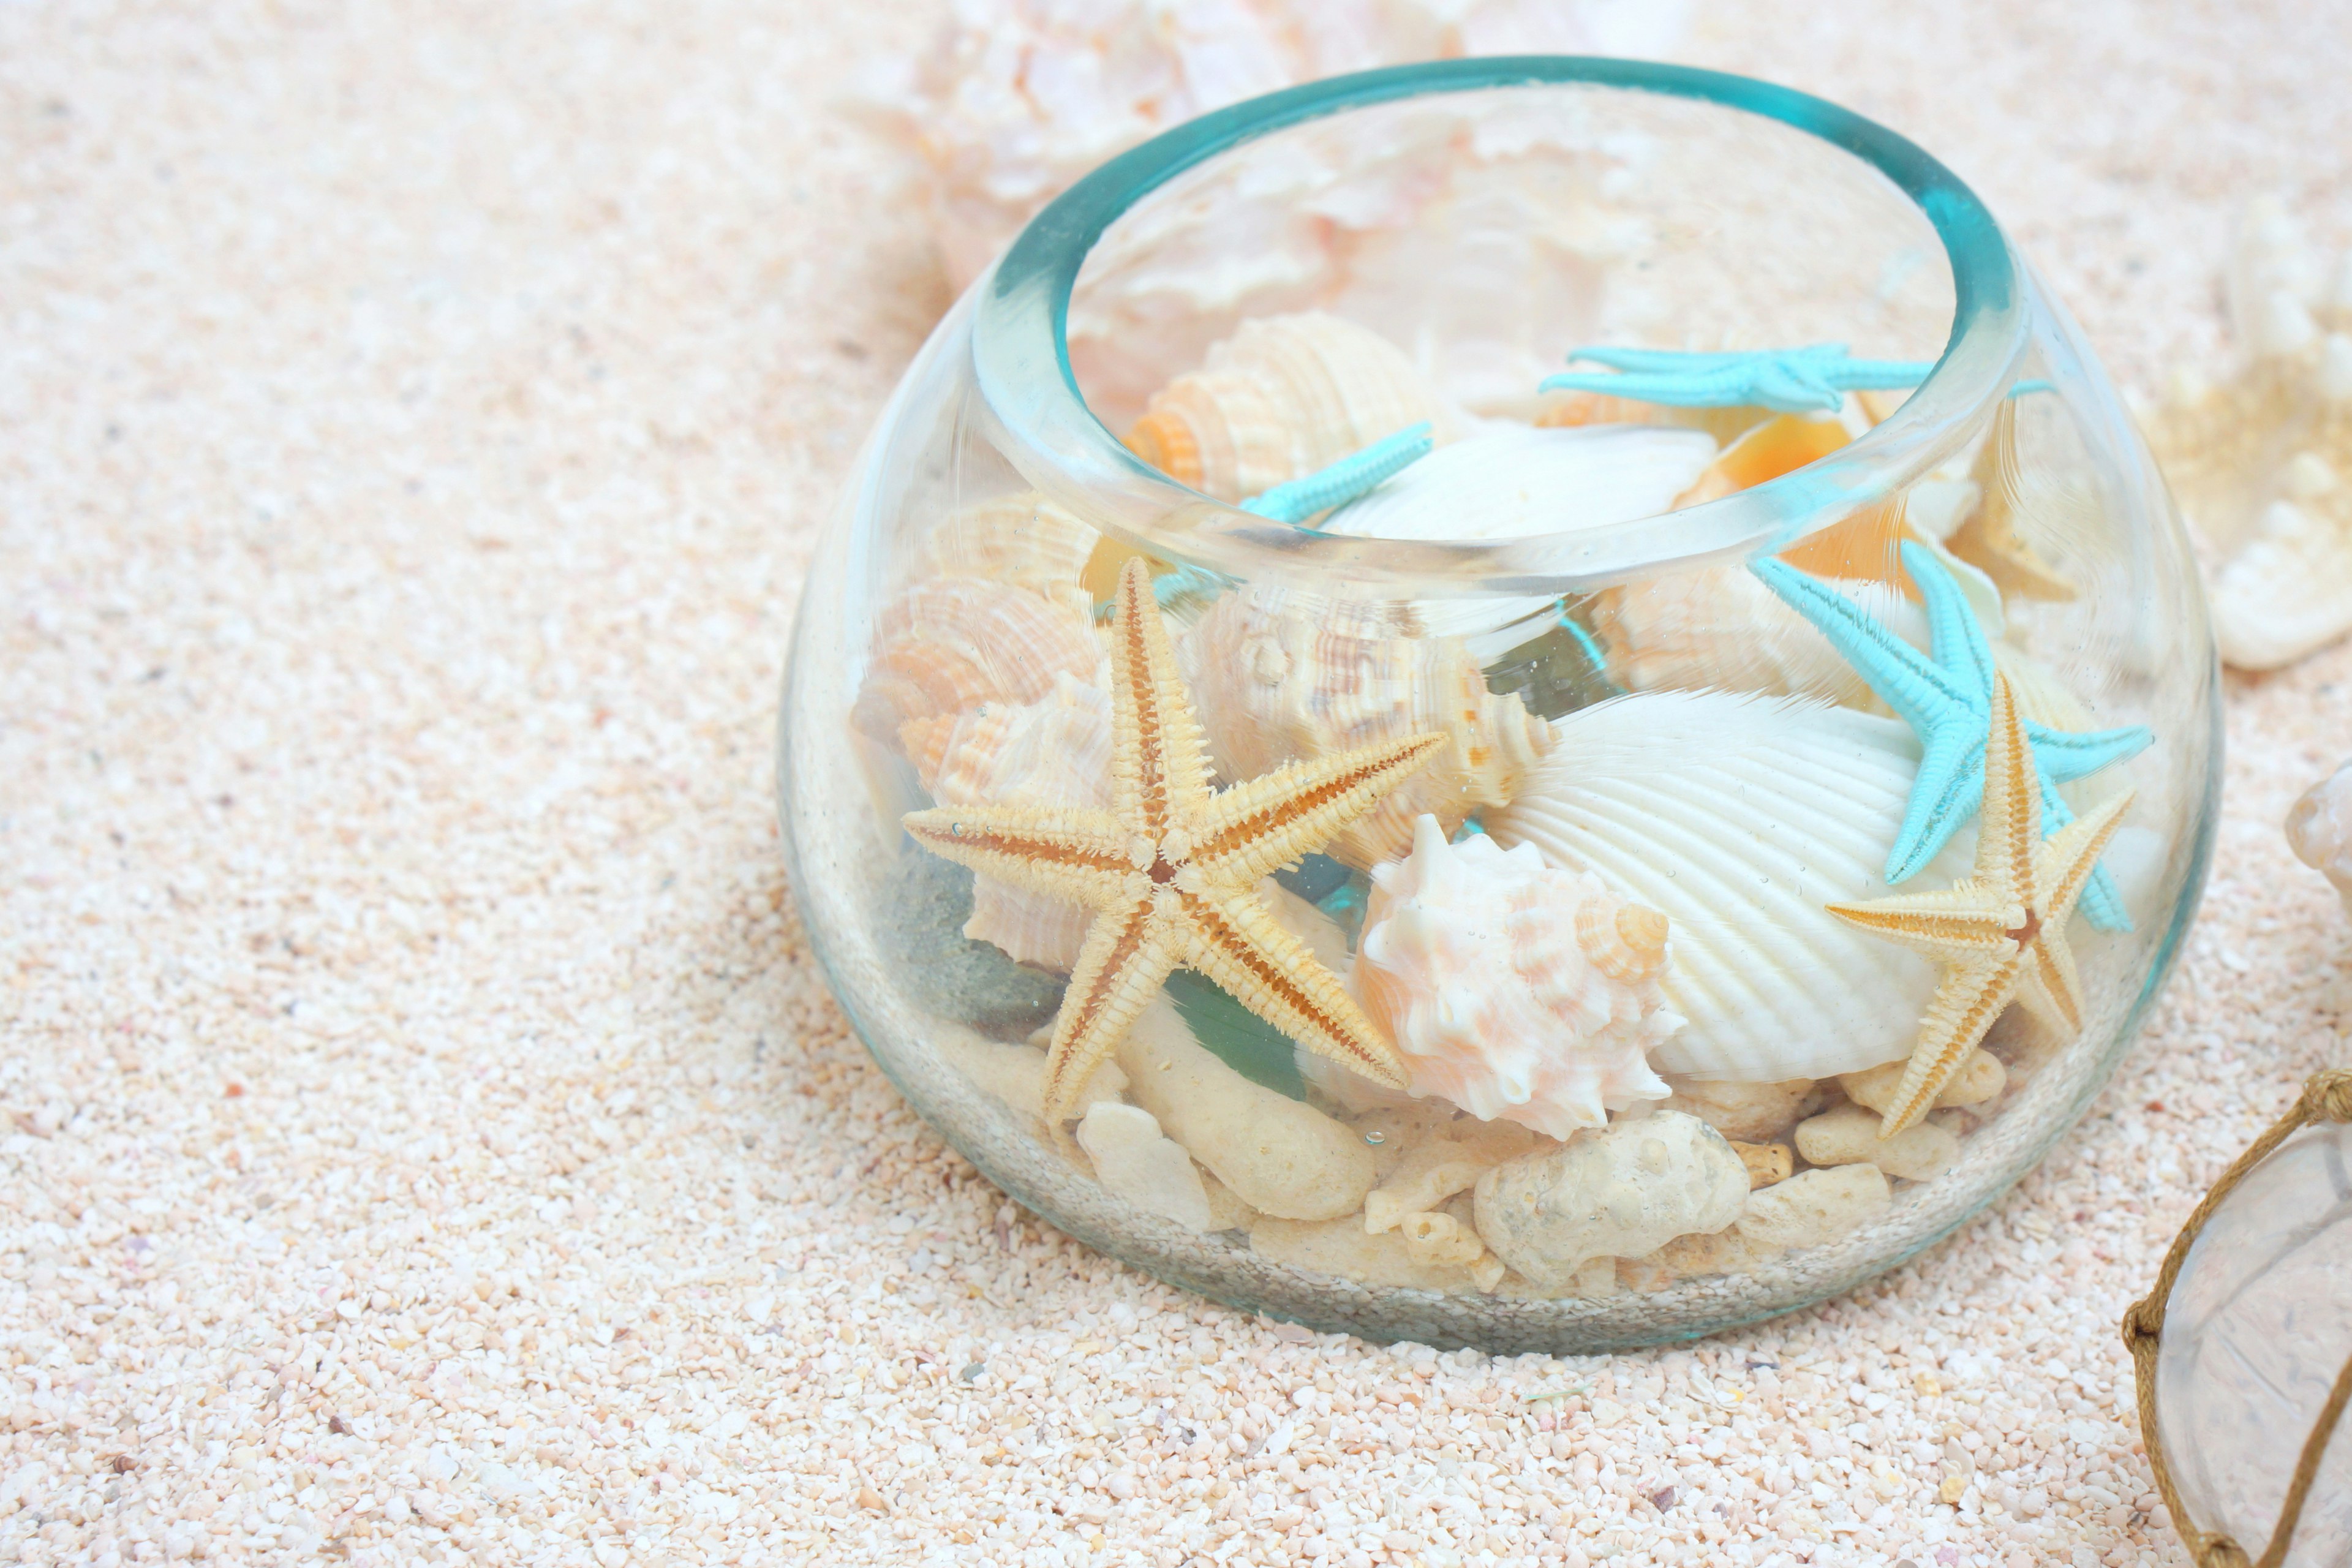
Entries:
{"x":1022,"y":538}
{"x":949,"y":644}
{"x":1719,"y":627}
{"x":1739,"y":817}
{"x":1282,"y":398}
{"x":1513,"y":990}
{"x":1277,"y":676}
{"x":1053,"y":752}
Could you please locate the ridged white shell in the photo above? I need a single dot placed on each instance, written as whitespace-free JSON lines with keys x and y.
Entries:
{"x":1277,"y":676}
{"x":1023,"y":538}
{"x":1284,"y":397}
{"x":1720,"y":627}
{"x":1057,"y":752}
{"x":948,"y":644}
{"x":1514,"y":990}
{"x":1739,"y":817}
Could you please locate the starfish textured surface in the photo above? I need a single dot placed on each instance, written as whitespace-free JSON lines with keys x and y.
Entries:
{"x":1948,"y":699}
{"x":1999,"y":933}
{"x":1172,"y":870}
{"x":1788,"y":381}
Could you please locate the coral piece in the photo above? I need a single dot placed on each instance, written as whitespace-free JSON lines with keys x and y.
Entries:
{"x":1765,"y":1162}
{"x":1343,"y":1250}
{"x":1814,"y":1207}
{"x":1426,"y":1174}
{"x":1788,"y":380}
{"x":949,"y":644}
{"x":1511,"y":989}
{"x":1133,"y":1159}
{"x":1282,"y":678}
{"x":1056,"y":753}
{"x":1280,"y":1157}
{"x":1283,"y":397}
{"x":1850,"y":1135}
{"x":1737,"y":817}
{"x":1998,"y":934}
{"x":1016,"y":1074}
{"x":2319,"y":830}
{"x":1172,"y":870}
{"x":1945,"y":699}
{"x":1442,"y":1241}
{"x":1014,"y":101}
{"x":1622,"y":1191}
{"x":1979,"y":1078}
{"x":1743,"y":1112}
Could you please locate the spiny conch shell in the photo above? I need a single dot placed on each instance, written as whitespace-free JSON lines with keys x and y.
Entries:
{"x":1023,"y":538}
{"x":1282,"y":398}
{"x":1513,"y":990}
{"x":1015,"y":100}
{"x":1056,"y":751}
{"x":1739,"y":817}
{"x":2319,"y":830}
{"x":952,"y":643}
{"x":1278,"y":676}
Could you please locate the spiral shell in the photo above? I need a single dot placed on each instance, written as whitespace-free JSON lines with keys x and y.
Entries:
{"x":1278,"y":676}
{"x":1739,"y":817}
{"x":1284,"y":397}
{"x":1053,"y":752}
{"x":1513,"y":990}
{"x":1022,"y":538}
{"x":1719,"y":627}
{"x":949,"y":644}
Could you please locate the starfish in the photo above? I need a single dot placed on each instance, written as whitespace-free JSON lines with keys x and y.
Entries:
{"x":1788,"y":381}
{"x":1947,"y":699}
{"x":1172,"y":870}
{"x":2000,"y":933}
{"x":1298,"y":499}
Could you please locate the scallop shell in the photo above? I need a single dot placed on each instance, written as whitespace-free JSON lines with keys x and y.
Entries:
{"x":1022,"y":538}
{"x":948,"y":644}
{"x":1739,"y":817}
{"x":1053,"y":753}
{"x":1514,"y":991}
{"x":1278,"y":676}
{"x":1282,"y":398}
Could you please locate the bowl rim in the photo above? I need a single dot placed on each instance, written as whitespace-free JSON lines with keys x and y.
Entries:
{"x":1030,"y":394}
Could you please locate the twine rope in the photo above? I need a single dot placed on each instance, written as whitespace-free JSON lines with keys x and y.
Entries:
{"x":2326,"y":1098}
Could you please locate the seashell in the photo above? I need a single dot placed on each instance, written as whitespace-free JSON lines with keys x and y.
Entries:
{"x":1739,"y":817}
{"x":1056,"y":751}
{"x":1506,"y":481}
{"x":1622,"y":1191}
{"x":1022,"y":538}
{"x":1780,"y":445}
{"x":2289,"y":591}
{"x":2319,"y":830}
{"x":948,"y":644}
{"x":1719,"y":627}
{"x":1277,"y":676}
{"x":1282,"y":398}
{"x":1014,"y":101}
{"x":1513,"y":990}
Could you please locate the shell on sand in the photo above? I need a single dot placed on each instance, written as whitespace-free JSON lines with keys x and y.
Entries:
{"x":949,"y":644}
{"x":2289,"y":591}
{"x":1056,"y":751}
{"x":1022,"y":538}
{"x":1282,"y":398}
{"x":1517,"y":991}
{"x":1739,"y":817}
{"x":1277,"y":676}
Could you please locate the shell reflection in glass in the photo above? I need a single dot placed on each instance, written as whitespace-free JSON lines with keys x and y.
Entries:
{"x":1537,"y":703}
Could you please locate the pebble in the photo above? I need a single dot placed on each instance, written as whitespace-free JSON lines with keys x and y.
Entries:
{"x":1848,"y":1135}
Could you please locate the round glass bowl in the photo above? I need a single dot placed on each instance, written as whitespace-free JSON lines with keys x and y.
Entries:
{"x":1322,"y":810}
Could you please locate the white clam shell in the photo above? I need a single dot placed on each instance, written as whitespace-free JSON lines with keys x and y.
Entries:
{"x":1739,"y":817}
{"x":1515,"y":990}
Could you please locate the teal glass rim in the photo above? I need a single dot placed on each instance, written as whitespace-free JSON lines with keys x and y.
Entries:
{"x":1030,"y":394}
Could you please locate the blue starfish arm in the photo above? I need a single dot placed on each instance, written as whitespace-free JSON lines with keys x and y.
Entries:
{"x":1298,"y":499}
{"x":1952,"y":630}
{"x":2066,"y":755}
{"x":1719,"y":390}
{"x":1877,"y":375}
{"x":1173,"y":588}
{"x":1906,"y":680}
{"x":1947,"y":791}
{"x":1815,"y":376}
{"x":1793,"y":390}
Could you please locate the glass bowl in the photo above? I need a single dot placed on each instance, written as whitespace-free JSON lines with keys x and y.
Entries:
{"x":1399,"y":723}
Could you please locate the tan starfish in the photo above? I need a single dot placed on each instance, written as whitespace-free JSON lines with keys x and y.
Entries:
{"x":1990,"y":539}
{"x":1172,"y":870}
{"x":2000,"y":932}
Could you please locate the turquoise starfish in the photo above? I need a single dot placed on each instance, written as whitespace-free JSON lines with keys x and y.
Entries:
{"x":1948,"y":699}
{"x":1788,"y":380}
{"x":1344,"y":480}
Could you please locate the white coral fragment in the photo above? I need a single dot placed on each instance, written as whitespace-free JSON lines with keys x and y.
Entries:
{"x":1151,"y":1172}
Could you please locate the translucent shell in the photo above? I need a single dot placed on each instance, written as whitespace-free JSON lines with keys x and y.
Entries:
{"x":1278,"y":676}
{"x":1284,"y":397}
{"x":1516,"y":991}
{"x":949,"y":644}
{"x":1022,"y":538}
{"x":1739,"y":818}
{"x":1053,"y":753}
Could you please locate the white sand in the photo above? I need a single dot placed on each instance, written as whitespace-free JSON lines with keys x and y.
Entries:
{"x":431,"y":1141}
